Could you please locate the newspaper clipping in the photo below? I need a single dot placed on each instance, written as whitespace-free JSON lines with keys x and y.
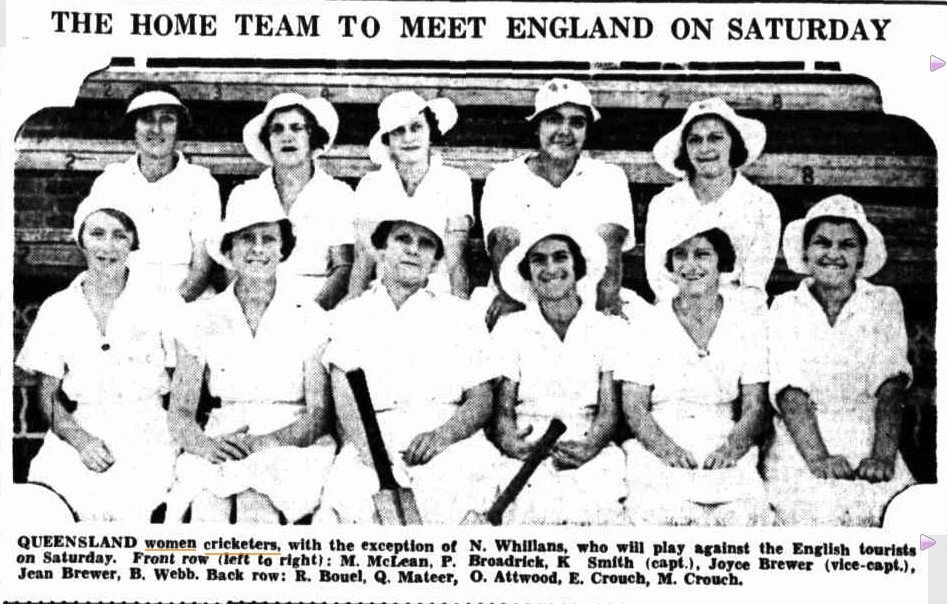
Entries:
{"x":471,"y":302}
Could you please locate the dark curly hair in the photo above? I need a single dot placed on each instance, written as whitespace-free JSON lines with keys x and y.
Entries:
{"x":318,"y":136}
{"x":436,"y":135}
{"x":580,"y":266}
{"x":286,"y":235}
{"x":720,"y":241}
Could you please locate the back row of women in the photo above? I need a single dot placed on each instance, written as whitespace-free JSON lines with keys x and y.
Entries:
{"x":463,"y":388}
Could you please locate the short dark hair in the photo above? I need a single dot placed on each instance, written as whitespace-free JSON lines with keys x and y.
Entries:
{"x":124,"y":219}
{"x":738,"y":151}
{"x":436,"y":135}
{"x":128,"y":121}
{"x":285,"y":232}
{"x":720,"y":241}
{"x":318,"y":136}
{"x":815,"y":223}
{"x":580,"y":265}
{"x":379,"y":238}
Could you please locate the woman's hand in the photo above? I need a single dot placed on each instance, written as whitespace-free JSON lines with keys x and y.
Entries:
{"x":873,"y":469}
{"x":725,"y":456}
{"x":502,"y":304}
{"x":677,"y":457}
{"x":96,"y":455}
{"x":572,"y":454}
{"x":832,"y":466}
{"x":516,"y":445}
{"x":425,"y":446}
{"x":219,"y":449}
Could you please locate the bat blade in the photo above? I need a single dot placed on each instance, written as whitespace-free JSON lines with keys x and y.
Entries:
{"x":396,"y":507}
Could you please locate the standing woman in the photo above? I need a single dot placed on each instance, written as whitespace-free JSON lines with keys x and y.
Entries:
{"x":289,"y":135}
{"x":838,"y":361}
{"x":264,"y":449}
{"x":694,"y":394}
{"x":553,"y":185}
{"x":174,"y":204}
{"x":103,"y":373}
{"x":558,"y":362}
{"x":413,"y":180}
{"x":707,"y":150}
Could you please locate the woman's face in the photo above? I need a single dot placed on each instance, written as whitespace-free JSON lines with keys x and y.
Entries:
{"x":257,"y":250}
{"x":106,"y":243}
{"x":289,"y":138}
{"x":834,"y":254}
{"x":409,"y":254}
{"x":562,"y":132}
{"x":156,"y":131}
{"x":551,"y":269}
{"x":410,"y":143}
{"x":694,"y":265}
{"x":708,"y":147}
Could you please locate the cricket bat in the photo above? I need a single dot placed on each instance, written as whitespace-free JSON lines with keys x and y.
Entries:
{"x":394,"y":504}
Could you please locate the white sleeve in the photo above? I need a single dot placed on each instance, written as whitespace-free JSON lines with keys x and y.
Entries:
{"x":761,"y":251}
{"x":615,"y":202}
{"x":755,"y":348}
{"x":783,"y":339}
{"x":459,"y":197}
{"x":890,"y":340}
{"x":43,"y":349}
{"x":340,"y":213}
{"x":635,"y":360}
{"x":656,"y":228}
{"x":504,"y":341}
{"x":206,"y":215}
{"x":495,"y":203}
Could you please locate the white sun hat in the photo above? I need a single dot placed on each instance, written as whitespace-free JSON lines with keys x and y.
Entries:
{"x":321,"y":109}
{"x":685,"y":228}
{"x":425,"y":219}
{"x":753,"y":133}
{"x":559,"y":91}
{"x":92,"y":204}
{"x":398,"y":108}
{"x":154,"y":98}
{"x":840,"y":206}
{"x":590,"y":244}
{"x":243,"y":210}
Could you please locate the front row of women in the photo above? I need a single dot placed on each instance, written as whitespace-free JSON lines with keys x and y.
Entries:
{"x":690,"y":374}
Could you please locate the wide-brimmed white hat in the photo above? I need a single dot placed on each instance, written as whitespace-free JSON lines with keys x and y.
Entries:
{"x":559,"y":91}
{"x":155,"y":98}
{"x":243,"y":210}
{"x":590,"y":244}
{"x":427,"y":220}
{"x":753,"y":133}
{"x":398,"y":108}
{"x":321,"y":109}
{"x":840,"y":206}
{"x":94,"y":203}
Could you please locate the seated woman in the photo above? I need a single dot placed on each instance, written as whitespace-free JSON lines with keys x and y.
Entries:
{"x":839,"y":370}
{"x":706,"y":151}
{"x":414,"y":179}
{"x":260,"y":347}
{"x":110,"y":456}
{"x":425,"y":357}
{"x":694,"y":394}
{"x":558,"y":360}
{"x":289,"y":136}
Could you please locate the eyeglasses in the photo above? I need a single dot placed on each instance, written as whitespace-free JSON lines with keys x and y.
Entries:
{"x":295,"y":128}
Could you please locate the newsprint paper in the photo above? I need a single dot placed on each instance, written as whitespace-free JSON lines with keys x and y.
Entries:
{"x":852,"y":103}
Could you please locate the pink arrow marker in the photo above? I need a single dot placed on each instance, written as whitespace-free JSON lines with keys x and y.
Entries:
{"x":937,"y":63}
{"x":926,"y":542}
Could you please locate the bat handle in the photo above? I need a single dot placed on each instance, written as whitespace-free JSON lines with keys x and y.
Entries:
{"x":376,"y":444}
{"x":536,"y":456}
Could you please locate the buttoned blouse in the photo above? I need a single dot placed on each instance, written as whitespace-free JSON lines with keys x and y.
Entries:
{"x":265,"y":367}
{"x":127,"y":363}
{"x":172,"y":214}
{"x":842,"y":366}
{"x":443,"y":194}
{"x":664,"y":356}
{"x":595,"y":193}
{"x":746,"y":212}
{"x":322,"y":217}
{"x":428,"y":351}
{"x":558,"y":377}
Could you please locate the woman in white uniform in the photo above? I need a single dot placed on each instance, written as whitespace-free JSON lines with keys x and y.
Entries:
{"x":174,"y":204}
{"x":694,"y":394}
{"x":839,"y":370}
{"x":289,"y":135}
{"x":554,"y":185}
{"x":413,"y":179}
{"x":265,"y":448}
{"x":111,"y":456}
{"x":706,"y":151}
{"x":558,"y":357}
{"x":429,"y":371}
